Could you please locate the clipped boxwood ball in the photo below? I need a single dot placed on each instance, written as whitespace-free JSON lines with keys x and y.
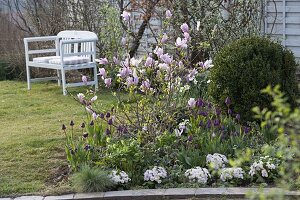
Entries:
{"x":245,"y":67}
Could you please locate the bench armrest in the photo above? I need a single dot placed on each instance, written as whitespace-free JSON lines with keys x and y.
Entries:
{"x":40,"y":39}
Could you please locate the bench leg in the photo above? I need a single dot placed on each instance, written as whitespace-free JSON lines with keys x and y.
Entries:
{"x":95,"y":78}
{"x":28,"y":77}
{"x":58,"y":78}
{"x":63,"y":77}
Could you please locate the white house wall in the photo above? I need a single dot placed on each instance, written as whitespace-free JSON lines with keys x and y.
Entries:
{"x":283,"y":23}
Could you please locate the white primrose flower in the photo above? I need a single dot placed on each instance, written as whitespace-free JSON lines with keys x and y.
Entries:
{"x":230,"y":173}
{"x":197,"y":174}
{"x":270,"y":165}
{"x":184,"y":88}
{"x":263,"y":166}
{"x":264,"y":173}
{"x":216,"y":161}
{"x":155,"y":174}
{"x":119,"y":177}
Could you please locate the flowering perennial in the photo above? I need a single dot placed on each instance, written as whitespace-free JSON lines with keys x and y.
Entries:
{"x":230,"y":173}
{"x":216,"y":161}
{"x":197,"y":174}
{"x":119,"y":177}
{"x":155,"y":174}
{"x":263,"y":166}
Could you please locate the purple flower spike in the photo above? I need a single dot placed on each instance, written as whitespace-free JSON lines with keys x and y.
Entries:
{"x":203,"y":113}
{"x":110,"y":122}
{"x":63,"y":127}
{"x":85,"y":135}
{"x":247,"y":129}
{"x":218,"y":111}
{"x":87,"y":147}
{"x":190,"y":138}
{"x":101,"y":115}
{"x":72,"y":123}
{"x":227,"y":101}
{"x":108,"y":115}
{"x":92,"y":123}
{"x":229,"y":111}
{"x":201,"y":123}
{"x":208,"y":124}
{"x":217,"y":122}
{"x":82,"y":125}
{"x":199,"y":103}
{"x":107,"y":132}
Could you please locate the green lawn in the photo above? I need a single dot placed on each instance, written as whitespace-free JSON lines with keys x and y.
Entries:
{"x":31,"y":140}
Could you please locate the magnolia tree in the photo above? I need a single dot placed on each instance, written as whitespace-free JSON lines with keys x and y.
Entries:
{"x":158,"y":85}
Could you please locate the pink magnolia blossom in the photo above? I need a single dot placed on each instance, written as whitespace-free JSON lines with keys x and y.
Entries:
{"x":125,"y":15}
{"x":116,"y":61}
{"x":102,"y":61}
{"x":145,"y":85}
{"x":185,"y":28}
{"x":168,"y":14}
{"x":158,"y":51}
{"x":88,"y":109}
{"x":164,"y":66}
{"x":180,"y":64}
{"x":164,"y":38}
{"x":166,"y":58}
{"x":84,"y":79}
{"x":107,"y":82}
{"x":192,"y":74}
{"x":149,"y":61}
{"x":94,"y":115}
{"x":80,"y":97}
{"x":208,"y":64}
{"x":135,"y":62}
{"x":125,"y":63}
{"x":132,"y":81}
{"x":181,"y":43}
{"x":124,"y":72}
{"x":94,"y":98}
{"x":102,"y":72}
{"x":186,"y":36}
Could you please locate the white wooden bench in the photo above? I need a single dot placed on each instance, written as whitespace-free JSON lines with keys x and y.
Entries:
{"x":72,"y":50}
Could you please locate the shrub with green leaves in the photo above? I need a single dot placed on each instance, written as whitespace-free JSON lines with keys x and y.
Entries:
{"x":90,"y":179}
{"x":245,"y":67}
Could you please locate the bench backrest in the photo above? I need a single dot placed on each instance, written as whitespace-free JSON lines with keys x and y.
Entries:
{"x":82,"y":47}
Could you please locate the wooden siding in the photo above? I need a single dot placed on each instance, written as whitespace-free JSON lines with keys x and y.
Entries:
{"x":283,"y":23}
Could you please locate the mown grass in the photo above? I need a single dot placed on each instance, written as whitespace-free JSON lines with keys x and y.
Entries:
{"x":31,"y":140}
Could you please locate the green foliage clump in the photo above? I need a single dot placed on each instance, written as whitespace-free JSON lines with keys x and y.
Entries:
{"x":284,"y":121}
{"x":245,"y":67}
{"x":90,"y":179}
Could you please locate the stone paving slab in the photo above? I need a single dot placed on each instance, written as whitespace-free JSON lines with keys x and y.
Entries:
{"x":148,"y":194}
{"x":62,"y":197}
{"x":30,"y":198}
{"x":89,"y":196}
{"x":180,"y":193}
{"x":172,"y":193}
